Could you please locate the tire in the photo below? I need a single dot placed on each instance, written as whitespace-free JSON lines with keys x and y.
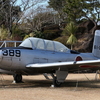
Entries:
{"x":56,"y":83}
{"x":18,"y":78}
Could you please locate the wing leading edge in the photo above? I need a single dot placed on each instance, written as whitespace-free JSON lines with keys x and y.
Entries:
{"x":66,"y":65}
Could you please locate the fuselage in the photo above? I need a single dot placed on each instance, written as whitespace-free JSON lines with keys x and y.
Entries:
{"x":16,"y":59}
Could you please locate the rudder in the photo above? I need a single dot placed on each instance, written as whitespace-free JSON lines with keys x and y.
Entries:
{"x":96,"y":44}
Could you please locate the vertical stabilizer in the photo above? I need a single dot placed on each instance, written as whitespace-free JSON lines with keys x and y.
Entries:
{"x":96,"y":44}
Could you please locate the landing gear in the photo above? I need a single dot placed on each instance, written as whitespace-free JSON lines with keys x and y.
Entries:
{"x":58,"y":77}
{"x":52,"y":76}
{"x":56,"y":83}
{"x":17,"y":78}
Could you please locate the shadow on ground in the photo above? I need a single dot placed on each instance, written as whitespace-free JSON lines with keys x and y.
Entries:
{"x":47,"y":83}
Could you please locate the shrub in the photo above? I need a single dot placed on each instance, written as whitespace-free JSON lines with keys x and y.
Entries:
{"x":3,"y":33}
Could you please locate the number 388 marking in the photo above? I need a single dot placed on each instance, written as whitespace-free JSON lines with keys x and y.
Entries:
{"x":16,"y":53}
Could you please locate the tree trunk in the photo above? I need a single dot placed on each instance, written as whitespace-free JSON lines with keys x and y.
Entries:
{"x":71,"y":47}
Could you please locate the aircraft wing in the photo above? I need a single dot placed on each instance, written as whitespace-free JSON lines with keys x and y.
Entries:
{"x":72,"y":65}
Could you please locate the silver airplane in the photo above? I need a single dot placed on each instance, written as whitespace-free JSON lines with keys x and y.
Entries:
{"x":39,"y":56}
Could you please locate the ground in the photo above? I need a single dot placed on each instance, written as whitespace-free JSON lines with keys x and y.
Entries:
{"x":76,"y":87}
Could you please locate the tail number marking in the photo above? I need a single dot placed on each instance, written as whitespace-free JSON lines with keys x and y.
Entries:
{"x":16,"y":53}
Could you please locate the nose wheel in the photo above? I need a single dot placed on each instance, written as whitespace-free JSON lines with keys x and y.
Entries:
{"x":17,"y":78}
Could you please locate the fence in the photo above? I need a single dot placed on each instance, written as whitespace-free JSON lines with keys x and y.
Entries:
{"x":9,"y":43}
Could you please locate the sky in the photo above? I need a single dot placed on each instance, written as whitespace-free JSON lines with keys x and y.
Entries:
{"x":45,"y":2}
{"x":42,"y":4}
{"x":18,"y":2}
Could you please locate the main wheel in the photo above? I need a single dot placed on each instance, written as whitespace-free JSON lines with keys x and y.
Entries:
{"x":56,"y":83}
{"x":18,"y":78}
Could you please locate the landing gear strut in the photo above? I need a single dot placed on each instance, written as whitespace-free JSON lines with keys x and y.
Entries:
{"x":17,"y":78}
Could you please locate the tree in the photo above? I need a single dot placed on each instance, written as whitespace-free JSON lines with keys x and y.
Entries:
{"x":40,"y":17}
{"x":71,"y":29}
{"x":3,"y":33}
{"x":9,"y":14}
{"x":58,"y":6}
{"x":79,"y":9}
{"x":73,"y":9}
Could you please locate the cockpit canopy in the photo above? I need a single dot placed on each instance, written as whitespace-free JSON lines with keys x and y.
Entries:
{"x":37,"y":43}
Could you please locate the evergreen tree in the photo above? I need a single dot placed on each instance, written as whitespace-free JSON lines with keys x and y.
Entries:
{"x":77,"y":9}
{"x":58,"y":6}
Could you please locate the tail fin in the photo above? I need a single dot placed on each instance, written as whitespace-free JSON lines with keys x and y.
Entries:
{"x":96,"y":44}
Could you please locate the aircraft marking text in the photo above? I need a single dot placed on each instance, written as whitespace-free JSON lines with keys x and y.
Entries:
{"x":16,"y":53}
{"x":96,"y":47}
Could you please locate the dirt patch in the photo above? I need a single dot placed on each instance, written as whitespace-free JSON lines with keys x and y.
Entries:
{"x":76,"y":87}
